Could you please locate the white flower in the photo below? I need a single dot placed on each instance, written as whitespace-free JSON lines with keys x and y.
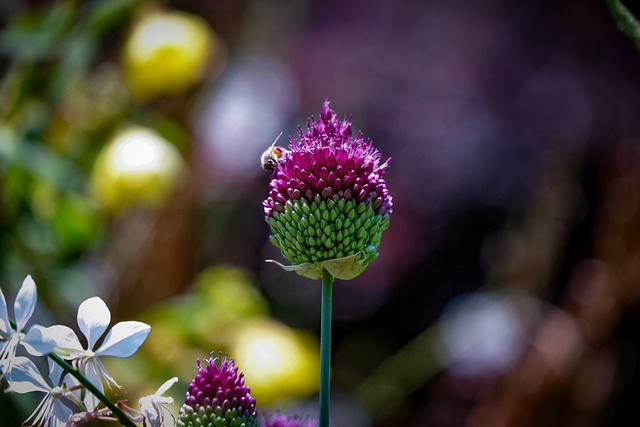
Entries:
{"x":153,"y":406}
{"x":52,"y":410}
{"x":36,"y":341}
{"x":122,"y":340}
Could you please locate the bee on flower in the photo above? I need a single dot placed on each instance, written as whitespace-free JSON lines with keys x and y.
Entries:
{"x":271,"y":156}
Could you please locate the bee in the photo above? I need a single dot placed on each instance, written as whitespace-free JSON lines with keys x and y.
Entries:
{"x":271,"y":156}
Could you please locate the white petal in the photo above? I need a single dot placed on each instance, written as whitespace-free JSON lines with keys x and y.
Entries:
{"x":151,"y":410}
{"x":5,"y":326}
{"x":8,"y":353}
{"x":25,"y":302}
{"x":25,"y":377}
{"x":124,"y":339}
{"x":166,"y":386}
{"x":66,"y":341}
{"x":93,"y":318}
{"x":55,"y":372}
{"x":91,"y":372}
{"x":38,"y":341}
{"x":61,"y":377}
{"x":153,"y":406}
{"x":106,"y":376}
{"x":59,"y":414}
{"x":41,"y":415}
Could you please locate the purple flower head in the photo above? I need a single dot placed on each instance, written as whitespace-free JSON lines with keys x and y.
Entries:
{"x":218,"y":396}
{"x":281,"y":420}
{"x":328,"y":203}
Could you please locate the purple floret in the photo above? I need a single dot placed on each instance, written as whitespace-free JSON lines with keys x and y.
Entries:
{"x":327,"y":161}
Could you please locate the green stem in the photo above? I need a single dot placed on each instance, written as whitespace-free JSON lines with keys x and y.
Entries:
{"x":92,"y":388}
{"x":325,"y":348}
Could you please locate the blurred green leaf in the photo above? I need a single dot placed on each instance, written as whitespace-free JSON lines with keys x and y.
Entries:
{"x":40,"y":161}
{"x":36,"y":32}
{"x":106,"y":14}
{"x":36,"y":236}
{"x":626,"y":21}
{"x":79,"y":51}
{"x":76,"y":223}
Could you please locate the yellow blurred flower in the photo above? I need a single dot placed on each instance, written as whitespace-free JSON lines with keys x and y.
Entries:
{"x":229,"y":291}
{"x":166,"y":53}
{"x":137,"y":167}
{"x":279,"y":363}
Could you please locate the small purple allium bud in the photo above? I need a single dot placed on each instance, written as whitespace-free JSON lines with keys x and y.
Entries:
{"x":328,"y":203}
{"x":217,"y":396}
{"x":281,"y":420}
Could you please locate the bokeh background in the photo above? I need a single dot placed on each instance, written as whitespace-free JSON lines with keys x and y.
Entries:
{"x":507,"y":290}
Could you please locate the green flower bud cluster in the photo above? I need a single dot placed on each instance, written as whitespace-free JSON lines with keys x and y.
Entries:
{"x":322,"y":230}
{"x":209,"y":416}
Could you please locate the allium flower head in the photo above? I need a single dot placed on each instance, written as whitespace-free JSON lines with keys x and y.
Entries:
{"x":328,"y":203}
{"x":217,"y":396}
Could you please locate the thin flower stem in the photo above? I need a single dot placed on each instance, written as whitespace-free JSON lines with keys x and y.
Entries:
{"x":325,"y":348}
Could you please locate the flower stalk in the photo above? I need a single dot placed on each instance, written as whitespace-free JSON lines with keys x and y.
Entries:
{"x":325,"y":347}
{"x":327,"y":208}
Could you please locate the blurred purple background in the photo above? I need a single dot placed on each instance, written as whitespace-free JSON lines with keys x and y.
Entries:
{"x":513,"y":133}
